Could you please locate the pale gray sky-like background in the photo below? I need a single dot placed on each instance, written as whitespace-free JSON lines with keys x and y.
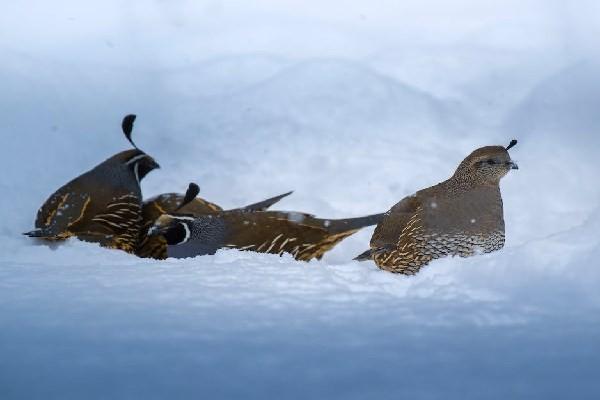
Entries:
{"x":352,"y":104}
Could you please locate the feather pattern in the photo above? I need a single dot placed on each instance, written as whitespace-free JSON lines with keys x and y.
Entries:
{"x":303,"y":236}
{"x":461,"y":216}
{"x":102,"y":205}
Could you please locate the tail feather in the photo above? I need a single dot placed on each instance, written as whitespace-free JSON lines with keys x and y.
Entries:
{"x":41,"y":233}
{"x":353,"y":224}
{"x":364,"y":256}
{"x":265,"y":204}
{"x":373,"y":251}
{"x":45,"y":233}
{"x":37,"y":233}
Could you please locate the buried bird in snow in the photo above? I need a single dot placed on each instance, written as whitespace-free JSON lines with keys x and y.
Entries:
{"x":302,"y":235}
{"x":155,"y":246}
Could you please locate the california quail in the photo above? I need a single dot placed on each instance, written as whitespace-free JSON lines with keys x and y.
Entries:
{"x":102,"y":205}
{"x":461,"y":216}
{"x":156,"y":246}
{"x":302,"y":235}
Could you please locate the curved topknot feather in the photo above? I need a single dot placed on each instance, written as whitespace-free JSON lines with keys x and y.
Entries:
{"x":127,"y":126}
{"x":190,"y":194}
{"x":512,"y":144}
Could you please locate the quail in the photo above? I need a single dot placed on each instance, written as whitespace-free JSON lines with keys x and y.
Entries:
{"x":302,"y":235}
{"x":156,"y":246}
{"x":102,"y":205}
{"x":461,"y":216}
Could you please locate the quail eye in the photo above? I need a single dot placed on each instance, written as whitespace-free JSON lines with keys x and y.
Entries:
{"x":490,"y":162}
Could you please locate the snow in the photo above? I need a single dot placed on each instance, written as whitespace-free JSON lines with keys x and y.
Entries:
{"x":353,"y":108}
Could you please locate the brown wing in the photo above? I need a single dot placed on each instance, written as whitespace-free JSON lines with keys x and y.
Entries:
{"x":299,"y":234}
{"x":152,"y":247}
{"x":388,"y":231}
{"x":117,"y":225}
{"x":168,"y":203}
{"x":70,"y":213}
{"x":336,"y":230}
{"x":63,"y":209}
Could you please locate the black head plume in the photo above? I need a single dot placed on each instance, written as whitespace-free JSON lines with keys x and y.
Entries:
{"x":190,"y":194}
{"x":127,"y":126}
{"x":512,"y":144}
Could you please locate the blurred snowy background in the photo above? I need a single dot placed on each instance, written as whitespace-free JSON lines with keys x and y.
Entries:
{"x":352,"y":104}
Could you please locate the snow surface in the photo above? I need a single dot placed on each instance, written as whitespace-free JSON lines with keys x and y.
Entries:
{"x":352,"y":105}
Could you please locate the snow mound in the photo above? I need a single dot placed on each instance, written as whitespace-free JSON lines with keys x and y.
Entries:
{"x":564,"y":103}
{"x":353,"y":109}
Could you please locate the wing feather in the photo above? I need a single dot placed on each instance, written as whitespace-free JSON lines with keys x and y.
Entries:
{"x":388,"y":231}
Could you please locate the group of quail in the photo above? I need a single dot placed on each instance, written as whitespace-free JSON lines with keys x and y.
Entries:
{"x":461,"y":216}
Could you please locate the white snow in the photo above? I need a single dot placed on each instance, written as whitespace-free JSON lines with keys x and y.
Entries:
{"x":351,"y":105}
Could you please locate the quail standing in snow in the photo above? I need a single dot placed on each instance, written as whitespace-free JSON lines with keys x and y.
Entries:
{"x":155,"y":246}
{"x":302,"y":235}
{"x":461,"y":216}
{"x":103,"y":205}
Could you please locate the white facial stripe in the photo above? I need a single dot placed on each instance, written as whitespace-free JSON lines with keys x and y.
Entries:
{"x":187,"y":234}
{"x":137,"y":174}
{"x":136,"y":159}
{"x":180,"y":217}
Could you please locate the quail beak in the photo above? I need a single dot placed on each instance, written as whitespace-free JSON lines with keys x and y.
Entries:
{"x":161,"y":225}
{"x":155,"y":231}
{"x":513,"y":165}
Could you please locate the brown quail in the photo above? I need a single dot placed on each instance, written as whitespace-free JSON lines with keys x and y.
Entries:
{"x":302,"y":235}
{"x":102,"y":205}
{"x":156,"y":246}
{"x":461,"y":216}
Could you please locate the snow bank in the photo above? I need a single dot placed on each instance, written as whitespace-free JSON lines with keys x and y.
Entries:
{"x":351,"y":115}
